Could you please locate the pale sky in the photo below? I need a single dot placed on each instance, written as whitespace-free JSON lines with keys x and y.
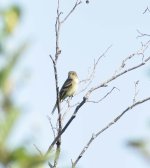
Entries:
{"x":85,"y":36}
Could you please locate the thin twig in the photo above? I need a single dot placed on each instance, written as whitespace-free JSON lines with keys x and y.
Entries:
{"x":103,"y":84}
{"x":135,"y":91}
{"x":57,"y":31}
{"x":140,"y":52}
{"x":58,"y":142}
{"x":92,"y":101}
{"x":85,"y":98}
{"x":91,"y":75}
{"x":56,"y":84}
{"x":94,"y":136}
{"x":57,"y":154}
{"x":57,"y":53}
{"x":50,"y":165}
{"x":146,"y":10}
{"x":52,"y":127}
{"x":68,"y":109}
{"x":142,"y":34}
{"x":67,"y":124}
{"x":38,"y":149}
{"x":71,"y":11}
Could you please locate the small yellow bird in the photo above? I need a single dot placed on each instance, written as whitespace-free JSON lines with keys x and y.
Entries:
{"x":69,"y":87}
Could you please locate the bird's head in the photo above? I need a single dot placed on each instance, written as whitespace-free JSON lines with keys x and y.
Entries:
{"x":72,"y":74}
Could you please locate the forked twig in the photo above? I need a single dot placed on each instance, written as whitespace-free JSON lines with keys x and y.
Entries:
{"x":71,"y":11}
{"x":103,"y":84}
{"x":89,"y":80}
{"x":142,"y":34}
{"x":52,"y":127}
{"x":146,"y":10}
{"x":92,"y":101}
{"x":38,"y":149}
{"x":140,"y":52}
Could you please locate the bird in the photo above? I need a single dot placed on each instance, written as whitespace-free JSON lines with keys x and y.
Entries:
{"x":69,"y":88}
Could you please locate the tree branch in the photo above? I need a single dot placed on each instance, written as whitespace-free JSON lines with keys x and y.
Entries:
{"x":67,"y":124}
{"x":58,"y":142}
{"x":103,"y":84}
{"x":60,"y":130}
{"x":146,"y":10}
{"x":142,"y":34}
{"x":94,"y":136}
{"x":38,"y":149}
{"x":85,"y":98}
{"x":89,"y":79}
{"x":57,"y":53}
{"x":52,"y":127}
{"x":135,"y":91}
{"x":92,"y":101}
{"x":71,"y":11}
{"x":57,"y":31}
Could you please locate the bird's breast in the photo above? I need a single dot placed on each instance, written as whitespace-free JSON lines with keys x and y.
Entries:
{"x":72,"y":89}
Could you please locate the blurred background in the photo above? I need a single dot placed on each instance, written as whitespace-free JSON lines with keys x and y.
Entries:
{"x":27,"y":88}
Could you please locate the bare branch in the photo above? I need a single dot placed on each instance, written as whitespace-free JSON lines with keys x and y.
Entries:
{"x":69,"y":106}
{"x":71,"y":11}
{"x":146,"y":10}
{"x":52,"y":127}
{"x":38,"y":149}
{"x":142,"y":34}
{"x":140,"y":52}
{"x":57,"y":154}
{"x":67,"y":124}
{"x":94,"y":136}
{"x":85,"y":98}
{"x":58,"y":142}
{"x":89,"y":79}
{"x":57,"y":53}
{"x":58,"y":24}
{"x":91,"y":101}
{"x":60,"y":130}
{"x":95,"y":65}
{"x":56,"y":83}
{"x":57,"y":31}
{"x":50,"y":165}
{"x":135,"y":91}
{"x":103,"y":84}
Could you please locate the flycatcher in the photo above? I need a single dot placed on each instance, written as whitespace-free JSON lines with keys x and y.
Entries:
{"x":69,"y":87}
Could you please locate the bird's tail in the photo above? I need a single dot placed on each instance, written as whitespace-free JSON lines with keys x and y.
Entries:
{"x":54,"y":109}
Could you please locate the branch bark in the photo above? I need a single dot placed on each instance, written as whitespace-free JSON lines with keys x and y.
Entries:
{"x":94,"y":136}
{"x":86,"y":97}
{"x":122,"y":71}
{"x":71,"y":11}
{"x":67,"y":124}
{"x":58,"y":24}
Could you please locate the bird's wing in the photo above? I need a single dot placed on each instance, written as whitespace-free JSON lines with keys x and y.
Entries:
{"x":66,"y":85}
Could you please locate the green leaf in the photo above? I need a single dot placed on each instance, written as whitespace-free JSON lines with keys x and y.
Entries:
{"x":5,"y":72}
